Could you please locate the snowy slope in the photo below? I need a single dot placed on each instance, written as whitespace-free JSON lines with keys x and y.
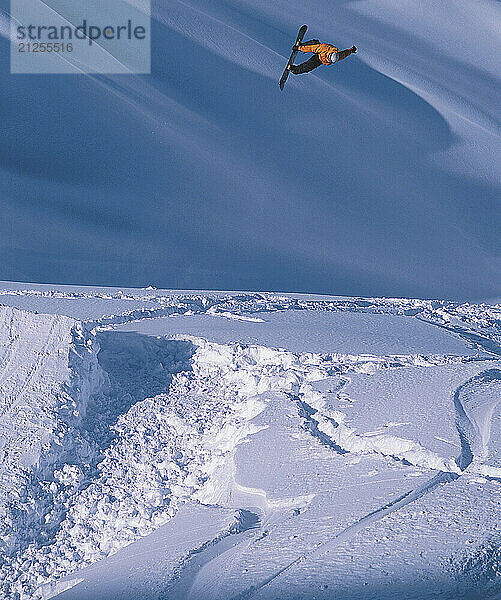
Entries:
{"x":33,"y":365}
{"x":140,"y":462}
{"x":377,"y":176}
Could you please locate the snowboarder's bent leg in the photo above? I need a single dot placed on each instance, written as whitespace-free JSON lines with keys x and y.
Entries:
{"x":307,"y":66}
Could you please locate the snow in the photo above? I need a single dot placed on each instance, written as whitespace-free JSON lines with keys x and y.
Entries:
{"x":33,"y":365}
{"x":154,"y":558}
{"x":378,"y":175}
{"x":229,"y":445}
{"x":408,"y":397}
{"x":315,"y":331}
{"x":76,"y":308}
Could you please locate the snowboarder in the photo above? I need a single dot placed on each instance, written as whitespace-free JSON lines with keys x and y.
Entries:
{"x":323,"y":54}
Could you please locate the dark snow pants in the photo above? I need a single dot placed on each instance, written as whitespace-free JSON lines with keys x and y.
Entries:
{"x":307,"y":66}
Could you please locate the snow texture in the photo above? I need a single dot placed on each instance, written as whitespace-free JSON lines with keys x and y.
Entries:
{"x":147,"y":463}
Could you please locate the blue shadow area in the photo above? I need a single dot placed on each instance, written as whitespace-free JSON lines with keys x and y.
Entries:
{"x":204,"y":175}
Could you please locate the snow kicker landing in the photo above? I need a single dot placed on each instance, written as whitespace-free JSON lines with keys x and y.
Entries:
{"x":136,"y":427}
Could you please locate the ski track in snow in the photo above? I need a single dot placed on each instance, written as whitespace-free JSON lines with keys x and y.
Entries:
{"x":114,"y":398}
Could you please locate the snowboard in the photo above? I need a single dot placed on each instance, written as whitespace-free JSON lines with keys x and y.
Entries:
{"x":287,"y":70}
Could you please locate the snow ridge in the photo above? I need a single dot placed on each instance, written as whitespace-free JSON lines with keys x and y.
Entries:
{"x":345,"y":439}
{"x":478,"y":324}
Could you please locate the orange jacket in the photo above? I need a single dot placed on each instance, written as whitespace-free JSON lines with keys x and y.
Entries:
{"x":324,"y":51}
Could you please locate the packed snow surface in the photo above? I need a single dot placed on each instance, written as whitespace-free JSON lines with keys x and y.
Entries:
{"x":218,"y":446}
{"x":314,"y":331}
